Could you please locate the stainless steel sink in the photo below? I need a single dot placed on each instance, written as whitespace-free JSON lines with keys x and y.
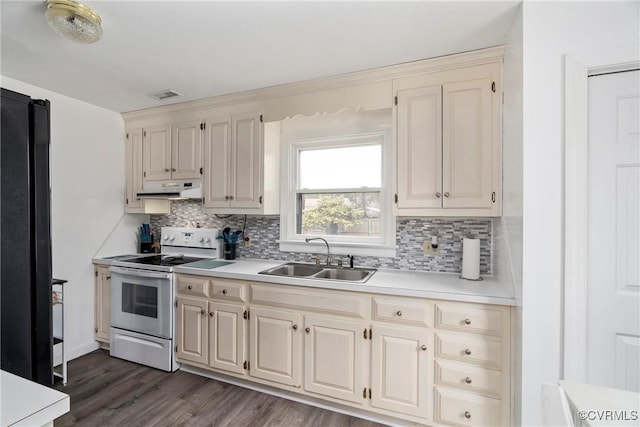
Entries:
{"x":292,"y":269}
{"x":310,"y":271}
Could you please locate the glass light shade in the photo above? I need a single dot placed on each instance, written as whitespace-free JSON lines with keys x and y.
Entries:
{"x":74,"y":21}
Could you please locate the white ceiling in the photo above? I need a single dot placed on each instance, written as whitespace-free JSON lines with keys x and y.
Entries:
{"x":208,"y":48}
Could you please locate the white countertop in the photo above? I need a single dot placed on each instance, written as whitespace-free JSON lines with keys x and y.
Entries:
{"x":26,"y":403}
{"x":390,"y":282}
{"x":602,"y":406}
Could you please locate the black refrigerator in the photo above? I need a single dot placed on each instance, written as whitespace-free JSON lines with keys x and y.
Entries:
{"x":25,"y":239}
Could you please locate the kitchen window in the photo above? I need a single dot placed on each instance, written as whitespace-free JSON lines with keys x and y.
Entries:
{"x":337,"y":189}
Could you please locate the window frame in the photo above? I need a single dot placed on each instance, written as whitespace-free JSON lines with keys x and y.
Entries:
{"x":291,"y":241}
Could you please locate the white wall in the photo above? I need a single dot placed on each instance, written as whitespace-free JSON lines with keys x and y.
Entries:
{"x":512,"y":187}
{"x":87,"y":181}
{"x":550,"y":30}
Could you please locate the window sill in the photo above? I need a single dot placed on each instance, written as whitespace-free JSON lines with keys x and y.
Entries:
{"x":339,"y":248}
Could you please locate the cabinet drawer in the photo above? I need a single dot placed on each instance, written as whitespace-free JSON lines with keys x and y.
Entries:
{"x":470,"y":318}
{"x":458,"y":408}
{"x":469,"y":377}
{"x":228,"y":290}
{"x":401,"y":310}
{"x":193,"y":285}
{"x":469,"y":348}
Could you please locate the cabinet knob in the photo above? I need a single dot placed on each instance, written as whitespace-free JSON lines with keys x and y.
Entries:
{"x":467,"y":414}
{"x":167,"y":170}
{"x":438,"y":195}
{"x":467,"y":321}
{"x":211,"y":314}
{"x":399,"y":313}
{"x":173,"y":169}
{"x":203,"y":312}
{"x":423,"y":347}
{"x":446,"y":194}
{"x":230,"y":197}
{"x":224,"y":292}
{"x":226,"y":197}
{"x":467,"y":380}
{"x":189,"y":287}
{"x":467,"y":352}
{"x":295,"y":327}
{"x":307,"y":330}
{"x":96,"y":330}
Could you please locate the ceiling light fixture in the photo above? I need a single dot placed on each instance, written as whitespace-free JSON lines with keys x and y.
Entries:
{"x":74,"y":21}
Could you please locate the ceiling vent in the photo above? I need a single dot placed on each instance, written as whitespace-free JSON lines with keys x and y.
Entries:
{"x":164,"y":94}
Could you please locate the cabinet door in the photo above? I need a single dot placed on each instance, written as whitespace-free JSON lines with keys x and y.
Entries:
{"x":401,"y":379}
{"x":246,"y":167}
{"x":276,"y":346}
{"x":156,"y":153}
{"x":467,"y":144}
{"x":333,"y":358}
{"x":217,"y":162}
{"x":102,"y":303}
{"x":133,"y":171}
{"x":186,"y":150}
{"x":419,"y":159}
{"x":226,"y":337}
{"x":191,"y":329}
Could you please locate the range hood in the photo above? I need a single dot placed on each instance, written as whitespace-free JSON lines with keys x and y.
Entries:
{"x":171,"y":190}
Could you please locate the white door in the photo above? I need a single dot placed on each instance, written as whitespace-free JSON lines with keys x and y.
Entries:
{"x":156,"y":153}
{"x":227,"y":336}
{"x":246,"y":168}
{"x":613,"y":290}
{"x":217,"y":162}
{"x":186,"y":150}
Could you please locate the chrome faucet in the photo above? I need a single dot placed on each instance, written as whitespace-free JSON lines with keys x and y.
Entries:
{"x":308,"y":239}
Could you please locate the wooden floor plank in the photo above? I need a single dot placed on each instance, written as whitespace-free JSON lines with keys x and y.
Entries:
{"x":106,"y":391}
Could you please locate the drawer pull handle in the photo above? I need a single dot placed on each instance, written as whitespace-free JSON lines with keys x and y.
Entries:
{"x":467,"y":352}
{"x":467,"y":321}
{"x":189,"y":287}
{"x":295,"y":327}
{"x":399,"y":313}
{"x":423,"y":347}
{"x":467,"y":380}
{"x":467,"y":414}
{"x":224,"y":292}
{"x":307,"y":330}
{"x":211,"y":313}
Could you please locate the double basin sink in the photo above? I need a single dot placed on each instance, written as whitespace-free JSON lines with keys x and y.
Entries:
{"x":310,"y":271}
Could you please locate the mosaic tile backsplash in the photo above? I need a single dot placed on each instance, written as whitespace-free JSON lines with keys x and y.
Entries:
{"x":410,"y":236}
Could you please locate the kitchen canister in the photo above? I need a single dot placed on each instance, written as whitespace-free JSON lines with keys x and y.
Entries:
{"x":471,"y":259}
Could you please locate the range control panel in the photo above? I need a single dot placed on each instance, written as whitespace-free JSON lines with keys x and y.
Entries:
{"x":183,"y":237}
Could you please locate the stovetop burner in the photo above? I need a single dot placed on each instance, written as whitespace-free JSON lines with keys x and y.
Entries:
{"x":164,"y":260}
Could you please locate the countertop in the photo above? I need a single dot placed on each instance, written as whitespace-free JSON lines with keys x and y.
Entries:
{"x":421,"y":284}
{"x":390,"y":282}
{"x":26,"y":403}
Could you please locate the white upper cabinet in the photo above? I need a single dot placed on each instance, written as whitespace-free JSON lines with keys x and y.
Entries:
{"x":448,"y":146}
{"x":156,"y":153}
{"x":186,"y":149}
{"x":240,"y":174}
{"x":133,"y":171}
{"x":467,"y":145}
{"x":172,"y":151}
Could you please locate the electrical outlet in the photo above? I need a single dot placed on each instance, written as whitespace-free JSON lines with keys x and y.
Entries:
{"x":428,"y":249}
{"x":247,"y":242}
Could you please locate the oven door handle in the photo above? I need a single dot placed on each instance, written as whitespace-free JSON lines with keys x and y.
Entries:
{"x":139,"y":273}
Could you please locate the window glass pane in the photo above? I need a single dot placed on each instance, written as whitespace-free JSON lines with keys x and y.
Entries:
{"x":339,"y":214}
{"x":341,"y":167}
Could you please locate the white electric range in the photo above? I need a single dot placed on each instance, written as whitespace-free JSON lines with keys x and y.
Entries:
{"x":143,"y":296}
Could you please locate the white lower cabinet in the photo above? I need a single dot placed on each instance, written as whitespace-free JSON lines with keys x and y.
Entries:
{"x":400,"y":370}
{"x":334,"y":352}
{"x":408,"y":360}
{"x":275,"y":345}
{"x":227,"y":334}
{"x":191,"y":327}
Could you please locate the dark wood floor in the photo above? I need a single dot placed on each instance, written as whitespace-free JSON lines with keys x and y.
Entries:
{"x":106,"y":391}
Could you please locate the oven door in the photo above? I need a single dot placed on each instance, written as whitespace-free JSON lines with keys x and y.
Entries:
{"x":142,"y":301}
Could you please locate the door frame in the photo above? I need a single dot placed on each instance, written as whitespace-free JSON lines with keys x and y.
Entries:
{"x":577,"y":70}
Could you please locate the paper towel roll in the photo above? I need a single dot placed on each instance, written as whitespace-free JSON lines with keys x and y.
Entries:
{"x":471,"y":259}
